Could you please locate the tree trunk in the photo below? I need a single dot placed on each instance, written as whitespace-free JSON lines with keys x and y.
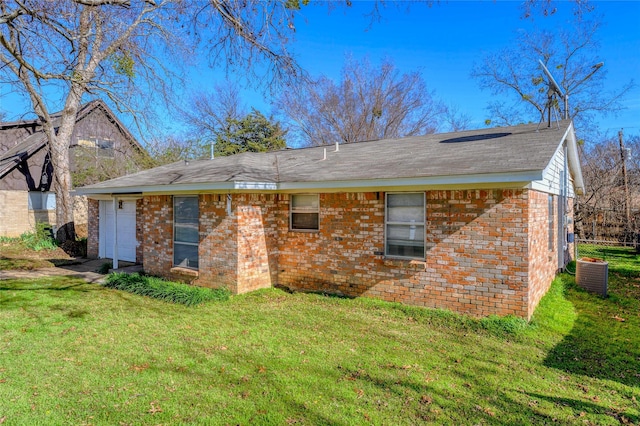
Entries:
{"x":59,"y":148}
{"x":64,"y":201}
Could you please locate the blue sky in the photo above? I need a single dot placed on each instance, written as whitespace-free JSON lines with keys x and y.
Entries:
{"x":445,"y":40}
{"x":442,"y":42}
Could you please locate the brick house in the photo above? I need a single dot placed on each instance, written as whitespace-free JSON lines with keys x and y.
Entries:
{"x":477,"y":221}
{"x":26,"y":174}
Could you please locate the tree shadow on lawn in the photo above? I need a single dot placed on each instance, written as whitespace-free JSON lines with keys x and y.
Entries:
{"x":18,"y":293}
{"x":60,"y":283}
{"x":588,"y":407}
{"x":22,"y":263}
{"x":598,"y":353}
{"x":604,"y":342}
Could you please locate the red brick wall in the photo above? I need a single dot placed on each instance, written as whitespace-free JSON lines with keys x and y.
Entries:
{"x":140,"y":230}
{"x":218,"y":244}
{"x":238,"y":251}
{"x":479,"y":243}
{"x":475,"y":262}
{"x":543,"y":263}
{"x":257,"y":221}
{"x":157,"y":227}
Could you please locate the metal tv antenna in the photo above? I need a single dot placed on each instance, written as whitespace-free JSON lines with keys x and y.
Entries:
{"x":554,"y":88}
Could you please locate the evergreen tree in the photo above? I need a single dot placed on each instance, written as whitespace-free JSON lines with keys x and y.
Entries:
{"x":252,"y":133}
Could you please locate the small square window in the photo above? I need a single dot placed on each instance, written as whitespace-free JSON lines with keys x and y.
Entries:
{"x":42,"y":200}
{"x":305,"y":212}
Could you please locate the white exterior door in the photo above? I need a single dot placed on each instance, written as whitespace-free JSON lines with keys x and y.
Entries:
{"x":126,"y":211}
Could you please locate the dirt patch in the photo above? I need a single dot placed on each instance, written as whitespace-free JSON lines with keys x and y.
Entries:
{"x":15,"y":255}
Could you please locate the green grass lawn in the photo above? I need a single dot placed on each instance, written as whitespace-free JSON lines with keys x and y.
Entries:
{"x":76,"y":353}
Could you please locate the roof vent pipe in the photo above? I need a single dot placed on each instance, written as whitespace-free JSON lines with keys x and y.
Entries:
{"x":337,"y":147}
{"x":324,"y":157}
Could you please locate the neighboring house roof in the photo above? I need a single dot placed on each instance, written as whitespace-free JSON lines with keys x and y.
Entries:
{"x":36,"y":141}
{"x":25,"y":149}
{"x":506,"y":155}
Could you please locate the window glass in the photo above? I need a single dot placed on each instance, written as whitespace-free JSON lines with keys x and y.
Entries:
{"x":42,"y":200}
{"x":405,"y":225}
{"x":185,"y":232}
{"x":305,"y":202}
{"x":185,"y":255}
{"x":305,"y":210}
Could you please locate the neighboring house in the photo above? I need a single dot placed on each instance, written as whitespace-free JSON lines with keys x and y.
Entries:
{"x":100,"y":146}
{"x":476,"y":221}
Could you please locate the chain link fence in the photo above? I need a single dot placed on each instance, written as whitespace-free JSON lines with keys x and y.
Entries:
{"x":601,"y":249}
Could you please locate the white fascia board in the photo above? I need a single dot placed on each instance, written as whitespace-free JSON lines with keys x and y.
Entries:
{"x":184,"y":188}
{"x":256,"y":186}
{"x":161,"y":189}
{"x":108,"y":197}
{"x":463,"y":181}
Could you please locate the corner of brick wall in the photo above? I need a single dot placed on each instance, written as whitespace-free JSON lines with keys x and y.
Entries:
{"x":257,"y":236}
{"x":140,"y":231}
{"x":93,"y":228}
{"x":543,"y":262}
{"x":157,"y":243}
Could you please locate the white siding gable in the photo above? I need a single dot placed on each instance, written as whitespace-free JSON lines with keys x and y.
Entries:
{"x":551,"y":181}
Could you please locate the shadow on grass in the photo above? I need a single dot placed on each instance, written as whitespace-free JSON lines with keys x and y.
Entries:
{"x":28,"y":264}
{"x":30,"y":285}
{"x":594,"y":352}
{"x":620,"y":253}
{"x":589,"y":407}
{"x":603,"y":343}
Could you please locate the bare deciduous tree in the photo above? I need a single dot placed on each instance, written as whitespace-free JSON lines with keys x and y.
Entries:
{"x":571,"y":55}
{"x":57,"y":52}
{"x":174,"y":148}
{"x":601,"y":212}
{"x":210,"y":112}
{"x":368,"y":103}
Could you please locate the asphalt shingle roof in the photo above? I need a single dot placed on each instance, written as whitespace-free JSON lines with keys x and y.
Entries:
{"x":476,"y":152}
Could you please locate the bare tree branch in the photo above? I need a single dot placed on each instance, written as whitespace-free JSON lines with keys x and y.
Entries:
{"x":570,"y":53}
{"x":368,"y":103}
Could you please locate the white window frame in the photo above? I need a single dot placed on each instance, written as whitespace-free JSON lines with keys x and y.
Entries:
{"x":387,"y":222}
{"x":293,"y":210}
{"x":173,"y":260}
{"x":551,"y":215}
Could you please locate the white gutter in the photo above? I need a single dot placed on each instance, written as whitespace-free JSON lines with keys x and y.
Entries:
{"x":574,"y":159}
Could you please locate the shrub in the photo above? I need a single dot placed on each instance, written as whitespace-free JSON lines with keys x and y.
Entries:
{"x":104,"y":268}
{"x":40,"y":239}
{"x":164,"y":290}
